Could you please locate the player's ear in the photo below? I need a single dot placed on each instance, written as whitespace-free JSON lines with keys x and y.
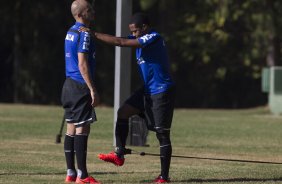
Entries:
{"x":79,"y":15}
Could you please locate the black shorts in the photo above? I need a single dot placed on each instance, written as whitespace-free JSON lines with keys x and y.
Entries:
{"x":76,"y":101}
{"x":158,"y":109}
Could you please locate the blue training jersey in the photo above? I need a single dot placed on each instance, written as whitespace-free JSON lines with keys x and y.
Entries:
{"x":153,"y":63}
{"x":78,"y":42}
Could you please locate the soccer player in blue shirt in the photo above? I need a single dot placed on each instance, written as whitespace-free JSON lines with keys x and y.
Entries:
{"x":79,"y":95}
{"x":155,"y":99}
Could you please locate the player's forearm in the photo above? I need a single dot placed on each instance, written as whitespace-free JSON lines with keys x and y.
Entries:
{"x":117,"y":41}
{"x":83,"y":68}
{"x":109,"y":39}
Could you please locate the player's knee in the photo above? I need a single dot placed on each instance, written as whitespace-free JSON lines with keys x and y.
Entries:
{"x":163,"y":136}
{"x":70,"y":128}
{"x":85,"y":130}
{"x":126,"y":111}
{"x":163,"y":131}
{"x":122,"y":113}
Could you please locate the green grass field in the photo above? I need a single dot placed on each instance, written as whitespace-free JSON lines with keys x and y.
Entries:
{"x":28,"y":153}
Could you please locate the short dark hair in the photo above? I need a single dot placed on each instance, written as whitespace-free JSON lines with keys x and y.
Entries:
{"x":139,"y":19}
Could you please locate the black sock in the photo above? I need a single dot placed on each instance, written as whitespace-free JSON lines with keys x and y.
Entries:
{"x":121,"y":133}
{"x":165,"y":152}
{"x":80,"y":146}
{"x":69,"y":151}
{"x":165,"y":160}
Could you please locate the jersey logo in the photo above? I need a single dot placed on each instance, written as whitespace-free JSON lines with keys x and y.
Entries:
{"x":70,"y":37}
{"x":147,"y":37}
{"x":86,"y":41}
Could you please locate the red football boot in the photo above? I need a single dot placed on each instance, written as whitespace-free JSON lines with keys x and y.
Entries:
{"x":160,"y":179}
{"x":70,"y":179}
{"x":89,"y":180}
{"x":112,"y":158}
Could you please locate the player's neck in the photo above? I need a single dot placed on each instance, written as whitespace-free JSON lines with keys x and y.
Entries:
{"x":82,"y":21}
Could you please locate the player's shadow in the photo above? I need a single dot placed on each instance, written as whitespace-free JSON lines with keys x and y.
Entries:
{"x":243,"y":180}
{"x":53,"y":173}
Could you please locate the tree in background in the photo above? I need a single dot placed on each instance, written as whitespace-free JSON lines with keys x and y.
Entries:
{"x":217,"y":49}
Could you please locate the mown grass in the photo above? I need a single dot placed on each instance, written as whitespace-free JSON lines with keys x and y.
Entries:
{"x":28,"y":153}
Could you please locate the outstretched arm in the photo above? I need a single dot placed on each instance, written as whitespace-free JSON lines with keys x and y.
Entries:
{"x":117,"y":41}
{"x":112,"y":40}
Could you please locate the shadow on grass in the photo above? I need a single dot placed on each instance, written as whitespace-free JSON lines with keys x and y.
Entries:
{"x":243,"y":180}
{"x":214,"y":180}
{"x":54,"y":173}
{"x":63,"y":173}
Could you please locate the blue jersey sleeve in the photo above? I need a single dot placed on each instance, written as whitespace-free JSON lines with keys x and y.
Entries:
{"x":84,"y":42}
{"x":148,"y":39}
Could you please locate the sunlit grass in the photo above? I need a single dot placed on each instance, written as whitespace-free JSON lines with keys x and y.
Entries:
{"x":28,"y":153}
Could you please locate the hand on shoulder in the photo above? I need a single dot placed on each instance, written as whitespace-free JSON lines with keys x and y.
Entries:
{"x":86,"y":29}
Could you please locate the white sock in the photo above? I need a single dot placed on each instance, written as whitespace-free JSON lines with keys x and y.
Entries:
{"x":79,"y":173}
{"x":71,"y":172}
